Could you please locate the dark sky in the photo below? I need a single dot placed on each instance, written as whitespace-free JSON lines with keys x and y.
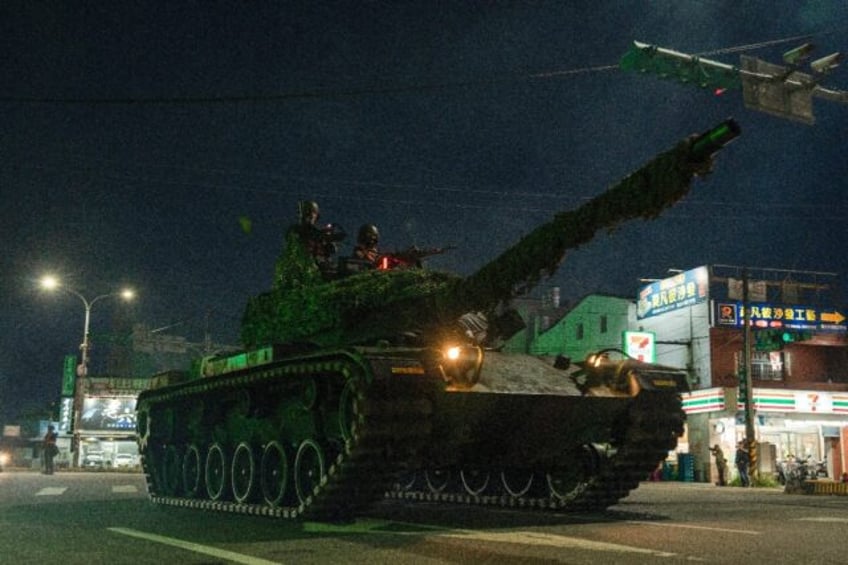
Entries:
{"x":136,"y":134}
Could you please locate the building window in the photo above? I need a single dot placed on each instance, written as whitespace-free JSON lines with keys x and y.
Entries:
{"x":578,"y":334}
{"x":766,"y":365}
{"x":603,"y":323}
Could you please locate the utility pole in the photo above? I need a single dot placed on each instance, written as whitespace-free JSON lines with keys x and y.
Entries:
{"x":750,"y":431}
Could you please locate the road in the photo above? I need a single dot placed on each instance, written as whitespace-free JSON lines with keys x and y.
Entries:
{"x":86,"y":518}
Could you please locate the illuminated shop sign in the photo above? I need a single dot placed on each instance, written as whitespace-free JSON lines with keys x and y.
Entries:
{"x":640,"y":345}
{"x":769,"y":400}
{"x":799,"y":401}
{"x":108,"y":414}
{"x":66,"y":409}
{"x":684,"y":289}
{"x":707,"y":400}
{"x":765,"y":315}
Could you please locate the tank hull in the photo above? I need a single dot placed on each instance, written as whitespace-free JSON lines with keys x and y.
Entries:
{"x":324,"y":435}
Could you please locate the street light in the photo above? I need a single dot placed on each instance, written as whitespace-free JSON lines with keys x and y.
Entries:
{"x":51,"y":283}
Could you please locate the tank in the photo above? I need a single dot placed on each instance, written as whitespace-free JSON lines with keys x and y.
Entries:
{"x":357,"y":384}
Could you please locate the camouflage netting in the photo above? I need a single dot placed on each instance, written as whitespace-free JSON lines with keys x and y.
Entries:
{"x":380,"y":304}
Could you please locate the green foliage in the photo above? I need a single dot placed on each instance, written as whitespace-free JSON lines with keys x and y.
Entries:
{"x":760,"y":481}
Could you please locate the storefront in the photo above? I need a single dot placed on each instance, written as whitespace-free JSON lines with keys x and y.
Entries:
{"x":789,"y":423}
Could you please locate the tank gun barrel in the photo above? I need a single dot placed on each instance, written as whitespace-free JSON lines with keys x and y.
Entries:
{"x":644,"y":193}
{"x":387,"y":303}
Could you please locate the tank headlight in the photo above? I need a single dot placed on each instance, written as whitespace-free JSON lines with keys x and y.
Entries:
{"x":4,"y":458}
{"x":453,"y":353}
{"x":460,"y":365}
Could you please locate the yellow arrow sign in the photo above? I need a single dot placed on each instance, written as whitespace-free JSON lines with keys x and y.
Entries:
{"x":832,"y":317}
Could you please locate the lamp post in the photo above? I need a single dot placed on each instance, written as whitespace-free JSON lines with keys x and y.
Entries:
{"x":52,"y":283}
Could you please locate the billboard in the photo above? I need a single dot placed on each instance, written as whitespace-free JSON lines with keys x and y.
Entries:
{"x":767,"y":315}
{"x":682,"y":290}
{"x":108,"y":414}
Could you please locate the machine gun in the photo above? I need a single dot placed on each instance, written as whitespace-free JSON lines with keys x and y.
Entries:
{"x":409,"y":257}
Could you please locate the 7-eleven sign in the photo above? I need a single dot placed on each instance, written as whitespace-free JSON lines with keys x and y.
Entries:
{"x":640,"y":345}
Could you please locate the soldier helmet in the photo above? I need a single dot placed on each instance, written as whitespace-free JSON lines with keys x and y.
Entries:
{"x":368,"y":234}
{"x":307,"y":209}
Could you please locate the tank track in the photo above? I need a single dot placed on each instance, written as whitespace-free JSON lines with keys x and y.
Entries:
{"x":389,"y":422}
{"x":647,"y":432}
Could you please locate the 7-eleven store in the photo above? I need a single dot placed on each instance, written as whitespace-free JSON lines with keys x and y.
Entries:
{"x":803,"y":423}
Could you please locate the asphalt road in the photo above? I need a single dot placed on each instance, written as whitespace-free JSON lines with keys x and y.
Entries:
{"x":86,"y":518}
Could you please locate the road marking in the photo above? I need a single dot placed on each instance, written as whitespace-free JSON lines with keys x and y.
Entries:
{"x":51,"y":491}
{"x":823,"y":519}
{"x":195,"y":547}
{"x":517,"y":537}
{"x":124,"y":488}
{"x":551,"y":540}
{"x":690,"y":527}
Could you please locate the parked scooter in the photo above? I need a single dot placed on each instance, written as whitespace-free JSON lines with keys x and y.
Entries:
{"x":792,"y":472}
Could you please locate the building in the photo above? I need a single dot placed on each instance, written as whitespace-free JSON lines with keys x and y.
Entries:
{"x":107,"y":424}
{"x":695,"y":320}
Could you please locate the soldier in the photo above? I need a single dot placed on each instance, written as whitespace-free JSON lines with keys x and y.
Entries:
{"x":366,"y":244}
{"x":321,"y":242}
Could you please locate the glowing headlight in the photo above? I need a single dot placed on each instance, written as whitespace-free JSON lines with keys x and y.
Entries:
{"x":460,"y":365}
{"x":453,"y":353}
{"x":4,"y":458}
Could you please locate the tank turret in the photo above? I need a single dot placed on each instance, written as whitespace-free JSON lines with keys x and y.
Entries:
{"x":390,"y":304}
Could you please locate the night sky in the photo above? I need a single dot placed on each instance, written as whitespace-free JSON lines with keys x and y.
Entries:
{"x":136,"y":135}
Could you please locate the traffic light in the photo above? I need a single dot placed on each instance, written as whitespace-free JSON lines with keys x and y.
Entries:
{"x":792,"y":336}
{"x":827,"y":63}
{"x":768,"y":340}
{"x":800,"y":53}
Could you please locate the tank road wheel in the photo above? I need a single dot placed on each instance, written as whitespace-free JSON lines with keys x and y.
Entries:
{"x":216,"y":472}
{"x":142,"y":426}
{"x":243,"y":472}
{"x":566,"y":482}
{"x":517,"y":482}
{"x":192,"y":471}
{"x":309,"y":394}
{"x":406,"y":481}
{"x":348,"y":400}
{"x":474,"y":481}
{"x":437,"y":479}
{"x":171,"y":471}
{"x":274,"y":473}
{"x":309,"y":468}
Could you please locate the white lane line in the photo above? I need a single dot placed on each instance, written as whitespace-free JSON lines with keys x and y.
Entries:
{"x":823,"y":519}
{"x":124,"y":488}
{"x":516,"y":537}
{"x":690,"y":527}
{"x":195,"y":547}
{"x":551,"y":540}
{"x":51,"y":491}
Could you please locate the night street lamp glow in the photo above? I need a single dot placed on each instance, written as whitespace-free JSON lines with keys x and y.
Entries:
{"x":50,"y":283}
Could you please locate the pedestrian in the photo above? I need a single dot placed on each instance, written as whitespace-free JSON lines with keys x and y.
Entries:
{"x":721,"y":464}
{"x":49,"y":449}
{"x":742,"y":462}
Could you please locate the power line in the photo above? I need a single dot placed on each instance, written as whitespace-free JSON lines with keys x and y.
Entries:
{"x":357,"y":92}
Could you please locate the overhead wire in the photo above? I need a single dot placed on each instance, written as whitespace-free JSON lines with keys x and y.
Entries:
{"x":363,"y":91}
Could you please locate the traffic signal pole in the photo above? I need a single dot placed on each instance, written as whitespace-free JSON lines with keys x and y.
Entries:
{"x":780,"y":90}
